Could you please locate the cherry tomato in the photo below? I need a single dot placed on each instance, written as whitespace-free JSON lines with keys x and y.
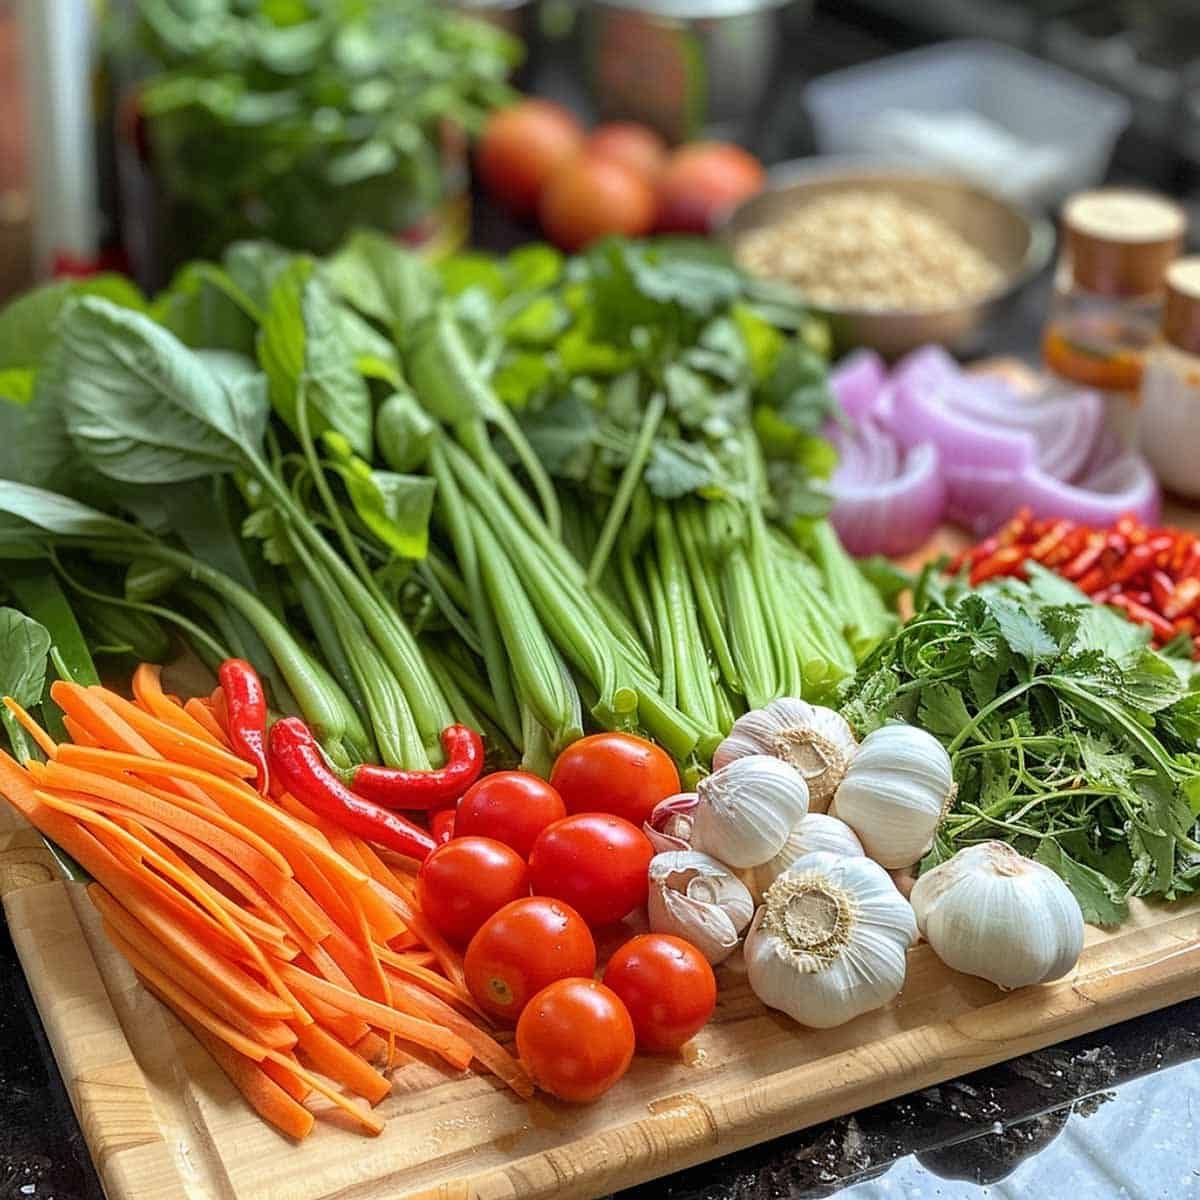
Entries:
{"x":511,"y":806}
{"x":634,"y":146}
{"x":667,"y":986}
{"x":524,"y":947}
{"x":588,"y":198}
{"x":614,"y":773}
{"x":520,"y":149}
{"x":703,"y":180}
{"x":596,"y":862}
{"x":465,"y":881}
{"x":576,"y":1039}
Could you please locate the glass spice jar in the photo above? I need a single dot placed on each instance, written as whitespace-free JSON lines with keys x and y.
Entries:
{"x":1108,"y":293}
{"x":1169,"y":420}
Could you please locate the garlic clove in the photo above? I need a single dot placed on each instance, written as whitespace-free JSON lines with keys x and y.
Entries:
{"x":669,"y":826}
{"x":895,"y":793}
{"x":747,"y":809}
{"x":989,"y":911}
{"x":830,"y":941}
{"x":700,"y":900}
{"x":816,"y":741}
{"x":813,"y":832}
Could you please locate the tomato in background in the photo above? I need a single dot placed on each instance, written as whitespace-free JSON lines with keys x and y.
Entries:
{"x":596,"y":862}
{"x":703,"y":180}
{"x":589,"y":198}
{"x":523,"y":948}
{"x":511,"y":806}
{"x":521,"y":147}
{"x":632,"y":145}
{"x":576,"y":1039}
{"x":667,"y":986}
{"x":614,"y":773}
{"x":465,"y":881}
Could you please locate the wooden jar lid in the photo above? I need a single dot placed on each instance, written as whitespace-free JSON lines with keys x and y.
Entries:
{"x":1181,"y":308}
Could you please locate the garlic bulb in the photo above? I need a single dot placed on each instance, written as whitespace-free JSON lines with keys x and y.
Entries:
{"x":669,"y":826}
{"x":747,"y":809}
{"x":895,"y":793}
{"x":815,"y":740}
{"x":700,"y":900}
{"x":813,"y":832}
{"x":990,"y":911}
{"x":830,"y":941}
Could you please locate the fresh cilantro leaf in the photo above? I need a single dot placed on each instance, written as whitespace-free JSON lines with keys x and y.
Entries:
{"x":677,"y":468}
{"x":942,"y":711}
{"x":1020,"y":629}
{"x":1099,"y":898}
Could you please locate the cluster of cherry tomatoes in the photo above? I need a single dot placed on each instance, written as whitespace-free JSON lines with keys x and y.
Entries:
{"x":536,"y":160}
{"x":531,"y":870}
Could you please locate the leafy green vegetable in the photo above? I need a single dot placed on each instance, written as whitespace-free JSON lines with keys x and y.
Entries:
{"x":24,"y":645}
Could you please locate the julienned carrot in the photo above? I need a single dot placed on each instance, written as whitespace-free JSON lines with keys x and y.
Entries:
{"x":419,"y":957}
{"x":274,"y":1092}
{"x":431,"y":981}
{"x":79,"y":735}
{"x":148,"y":692}
{"x":367,"y":944}
{"x":374,"y":1049}
{"x":322,"y":891}
{"x":218,"y":708}
{"x":45,"y":743}
{"x":338,"y":1062}
{"x":420,"y":1032}
{"x":448,"y":958}
{"x":202,"y":714}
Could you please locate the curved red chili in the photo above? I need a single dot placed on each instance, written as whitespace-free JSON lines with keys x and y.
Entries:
{"x":300,"y":765}
{"x":395,"y":788}
{"x":246,"y":705}
{"x":441,"y":825}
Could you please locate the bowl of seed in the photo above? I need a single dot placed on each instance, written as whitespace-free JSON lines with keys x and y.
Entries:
{"x":892,"y":257}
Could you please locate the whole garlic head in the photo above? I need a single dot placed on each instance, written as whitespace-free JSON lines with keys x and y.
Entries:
{"x":830,"y":941}
{"x":747,"y":809}
{"x":816,"y":741}
{"x":989,"y":911}
{"x":895,"y":793}
{"x":813,"y":832}
{"x":669,"y":826}
{"x":700,"y":900}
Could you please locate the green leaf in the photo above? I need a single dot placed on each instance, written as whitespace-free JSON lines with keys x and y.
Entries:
{"x":539,"y":323}
{"x":1100,"y":898}
{"x":205,"y":307}
{"x":563,"y":435}
{"x":374,"y":356}
{"x":1022,"y":632}
{"x":16,"y":385}
{"x":764,"y":343}
{"x":677,"y":468}
{"x":472,"y":271}
{"x":404,"y":432}
{"x":24,"y":645}
{"x":301,"y":343}
{"x":533,"y":268}
{"x":382,"y":280}
{"x":32,"y":512}
{"x":943,"y":712}
{"x":141,"y":407}
{"x":520,"y":377}
{"x":254,"y":267}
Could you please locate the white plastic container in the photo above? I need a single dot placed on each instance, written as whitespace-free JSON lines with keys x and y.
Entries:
{"x":954,"y":91}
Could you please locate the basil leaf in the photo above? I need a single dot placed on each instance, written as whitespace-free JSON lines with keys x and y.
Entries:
{"x":254,"y":267}
{"x":382,"y":280}
{"x":203,"y":306}
{"x":27,"y":513}
{"x":404,"y":431}
{"x":24,"y":645}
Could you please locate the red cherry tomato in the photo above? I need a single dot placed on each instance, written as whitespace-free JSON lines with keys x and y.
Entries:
{"x":589,"y":198}
{"x":667,"y":986}
{"x":703,"y":180}
{"x":520,"y":149}
{"x":465,"y":881}
{"x":614,"y":773}
{"x":576,"y":1039}
{"x":634,"y":146}
{"x":596,"y":862}
{"x":524,"y":947}
{"x":511,"y":806}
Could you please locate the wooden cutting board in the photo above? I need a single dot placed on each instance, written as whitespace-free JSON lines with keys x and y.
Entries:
{"x":163,"y":1122}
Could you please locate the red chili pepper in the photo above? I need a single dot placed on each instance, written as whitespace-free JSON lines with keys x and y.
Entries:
{"x":1050,"y":540}
{"x":1086,"y":559}
{"x":1137,"y":561}
{"x":1016,"y":529}
{"x":1184,"y":599}
{"x":1180,"y":552}
{"x":1126,"y":524}
{"x":1144,"y":616}
{"x":395,"y":788}
{"x":1186,"y":625}
{"x":985,"y":549}
{"x":246,"y":704}
{"x":1068,"y":548}
{"x":1093,"y":581}
{"x":1161,"y":589}
{"x":297,"y":760}
{"x":441,"y":825}
{"x":1006,"y":561}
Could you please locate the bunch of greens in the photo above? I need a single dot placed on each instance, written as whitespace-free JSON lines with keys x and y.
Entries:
{"x":299,"y":119}
{"x":1071,"y":739}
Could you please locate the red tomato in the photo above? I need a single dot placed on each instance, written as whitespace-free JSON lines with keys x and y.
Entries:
{"x":596,"y":862}
{"x":667,"y":986}
{"x":465,"y":881}
{"x":614,"y":773}
{"x":441,"y":825}
{"x":524,"y":947}
{"x":703,"y":180}
{"x":634,"y":146}
{"x":511,"y":806}
{"x":520,"y":149}
{"x":588,"y":198}
{"x":576,"y":1039}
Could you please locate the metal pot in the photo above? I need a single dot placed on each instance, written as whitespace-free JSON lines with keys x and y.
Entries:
{"x":685,"y":67}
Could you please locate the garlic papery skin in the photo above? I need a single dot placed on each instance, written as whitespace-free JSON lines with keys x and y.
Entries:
{"x":670,"y":824}
{"x":700,"y":900}
{"x":813,"y":832}
{"x":747,"y":809}
{"x":830,"y":941}
{"x":895,"y":793}
{"x":990,"y":911}
{"x":816,"y":741}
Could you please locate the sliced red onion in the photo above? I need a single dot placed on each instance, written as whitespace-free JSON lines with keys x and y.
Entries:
{"x":857,"y":382}
{"x":670,"y":823}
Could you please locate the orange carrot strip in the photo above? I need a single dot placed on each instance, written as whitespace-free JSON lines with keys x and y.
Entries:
{"x":218,"y":707}
{"x":448,"y":958}
{"x":431,"y":981}
{"x":343,"y":1027}
{"x":338,"y":1062}
{"x":148,"y":692}
{"x":45,"y":743}
{"x":383,"y":990}
{"x":367,"y":1119}
{"x":317,"y":884}
{"x":374,"y":1049}
{"x":287,"y":1079}
{"x":202,"y":714}
{"x":420,"y":1032}
{"x":78,"y":734}
{"x":420,"y":958}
